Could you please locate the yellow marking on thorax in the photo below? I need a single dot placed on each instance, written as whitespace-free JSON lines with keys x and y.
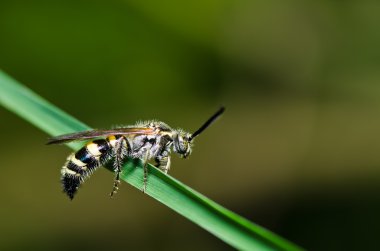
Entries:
{"x":166,"y":133}
{"x":112,"y":140}
{"x":93,"y":149}
{"x":77,"y":161}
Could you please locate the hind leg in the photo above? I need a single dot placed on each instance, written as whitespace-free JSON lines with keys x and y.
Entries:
{"x":120,"y":152}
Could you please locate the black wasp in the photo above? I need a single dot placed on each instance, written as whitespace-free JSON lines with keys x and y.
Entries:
{"x":145,"y":140}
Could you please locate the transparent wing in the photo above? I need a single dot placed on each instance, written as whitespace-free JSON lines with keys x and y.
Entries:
{"x":84,"y":135}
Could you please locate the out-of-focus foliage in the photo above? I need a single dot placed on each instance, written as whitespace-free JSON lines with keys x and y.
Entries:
{"x":298,"y":145}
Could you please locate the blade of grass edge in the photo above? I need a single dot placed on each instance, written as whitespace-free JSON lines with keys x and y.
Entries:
{"x":223,"y":223}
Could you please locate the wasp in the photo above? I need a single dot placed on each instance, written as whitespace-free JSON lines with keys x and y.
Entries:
{"x":144,"y":140}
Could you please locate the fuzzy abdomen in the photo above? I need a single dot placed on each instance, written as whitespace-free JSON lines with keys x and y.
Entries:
{"x":82,"y":163}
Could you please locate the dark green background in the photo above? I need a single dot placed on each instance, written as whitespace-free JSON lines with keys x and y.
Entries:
{"x":297,"y":150}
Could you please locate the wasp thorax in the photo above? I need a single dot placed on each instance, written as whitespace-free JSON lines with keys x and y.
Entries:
{"x":182,"y":143}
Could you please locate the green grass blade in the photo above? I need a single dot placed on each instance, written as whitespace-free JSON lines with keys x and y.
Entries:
{"x":228,"y":226}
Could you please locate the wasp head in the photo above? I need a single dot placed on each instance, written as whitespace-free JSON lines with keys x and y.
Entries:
{"x":182,"y":143}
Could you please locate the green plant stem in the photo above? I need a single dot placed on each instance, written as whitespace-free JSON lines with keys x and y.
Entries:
{"x":228,"y":226}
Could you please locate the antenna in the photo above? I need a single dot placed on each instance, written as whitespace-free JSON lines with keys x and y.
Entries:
{"x":207,"y":123}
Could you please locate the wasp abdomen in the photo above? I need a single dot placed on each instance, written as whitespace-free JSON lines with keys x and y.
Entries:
{"x":81,"y":164}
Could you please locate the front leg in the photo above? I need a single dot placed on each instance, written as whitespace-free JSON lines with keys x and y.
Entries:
{"x":163,"y":163}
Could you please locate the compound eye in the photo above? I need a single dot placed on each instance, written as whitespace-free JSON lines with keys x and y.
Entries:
{"x":183,"y":146}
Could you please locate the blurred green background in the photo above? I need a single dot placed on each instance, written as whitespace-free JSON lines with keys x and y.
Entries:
{"x":297,"y":150}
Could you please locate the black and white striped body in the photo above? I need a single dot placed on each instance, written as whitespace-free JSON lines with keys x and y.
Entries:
{"x":83,"y":163}
{"x":145,"y":140}
{"x":94,"y":154}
